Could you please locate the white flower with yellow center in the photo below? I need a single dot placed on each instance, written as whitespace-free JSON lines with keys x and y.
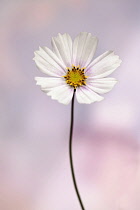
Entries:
{"x":69,"y":66}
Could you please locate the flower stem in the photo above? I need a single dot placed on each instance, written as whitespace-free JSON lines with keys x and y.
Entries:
{"x":70,"y":152}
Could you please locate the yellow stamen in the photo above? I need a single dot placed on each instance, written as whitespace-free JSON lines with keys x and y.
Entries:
{"x":75,"y":76}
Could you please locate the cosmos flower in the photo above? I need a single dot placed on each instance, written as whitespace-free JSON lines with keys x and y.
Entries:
{"x":70,"y":66}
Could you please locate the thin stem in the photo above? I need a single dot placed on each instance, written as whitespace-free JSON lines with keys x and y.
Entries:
{"x":70,"y":152}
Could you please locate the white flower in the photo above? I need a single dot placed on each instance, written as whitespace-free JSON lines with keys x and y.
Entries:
{"x":69,"y":66}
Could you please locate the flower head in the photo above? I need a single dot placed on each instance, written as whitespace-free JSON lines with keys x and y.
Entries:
{"x":70,"y":65}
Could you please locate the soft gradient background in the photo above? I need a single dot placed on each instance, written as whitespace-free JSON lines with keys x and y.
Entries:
{"x":34,"y":129}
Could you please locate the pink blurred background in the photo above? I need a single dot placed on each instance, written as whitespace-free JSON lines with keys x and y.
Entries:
{"x":34,"y":164}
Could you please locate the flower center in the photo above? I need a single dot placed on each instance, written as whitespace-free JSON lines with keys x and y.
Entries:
{"x":75,"y":76}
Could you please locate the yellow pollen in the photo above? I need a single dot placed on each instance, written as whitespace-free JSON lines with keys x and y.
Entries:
{"x":75,"y":76}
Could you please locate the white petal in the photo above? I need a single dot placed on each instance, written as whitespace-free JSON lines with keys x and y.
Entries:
{"x":85,"y":95}
{"x":101,"y":86}
{"x":48,"y":83}
{"x":48,"y":62}
{"x":103,"y":65}
{"x":62,"y":93}
{"x":55,"y":58}
{"x":62,"y":47}
{"x":84,"y":48}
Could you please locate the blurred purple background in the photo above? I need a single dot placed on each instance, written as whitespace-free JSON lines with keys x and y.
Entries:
{"x":34,"y":129}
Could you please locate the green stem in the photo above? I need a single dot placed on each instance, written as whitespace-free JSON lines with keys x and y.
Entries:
{"x":70,"y":152}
